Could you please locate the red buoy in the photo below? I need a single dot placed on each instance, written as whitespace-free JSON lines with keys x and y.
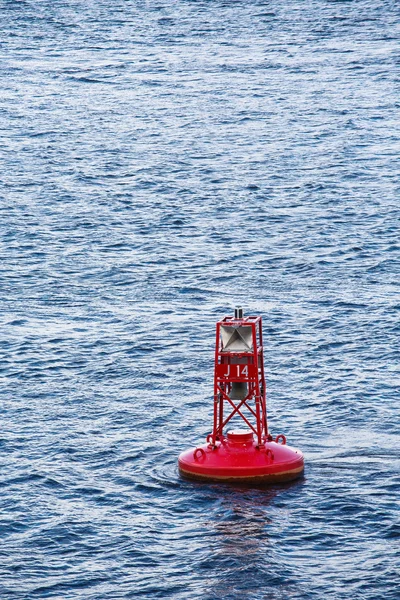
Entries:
{"x":247,"y":455}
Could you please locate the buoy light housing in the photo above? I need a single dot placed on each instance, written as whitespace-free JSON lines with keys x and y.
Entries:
{"x":250,"y":454}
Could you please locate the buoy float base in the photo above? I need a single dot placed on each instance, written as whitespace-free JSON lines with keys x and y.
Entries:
{"x":239,"y":459}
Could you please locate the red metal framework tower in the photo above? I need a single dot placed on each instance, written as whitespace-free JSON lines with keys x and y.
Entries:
{"x":239,"y":381}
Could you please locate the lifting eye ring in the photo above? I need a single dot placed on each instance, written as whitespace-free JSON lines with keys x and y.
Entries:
{"x":269,"y":452}
{"x":280,"y":437}
{"x":195,"y":453}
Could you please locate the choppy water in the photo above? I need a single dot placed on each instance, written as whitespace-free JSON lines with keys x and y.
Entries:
{"x":160,"y":163}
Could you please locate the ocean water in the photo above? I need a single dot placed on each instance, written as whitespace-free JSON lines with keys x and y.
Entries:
{"x":162,"y":162}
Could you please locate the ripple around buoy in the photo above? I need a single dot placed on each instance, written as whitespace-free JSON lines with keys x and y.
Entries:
{"x":166,"y":474}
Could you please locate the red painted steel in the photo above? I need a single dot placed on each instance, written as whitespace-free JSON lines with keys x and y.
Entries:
{"x":240,"y":392}
{"x":246,"y":366}
{"x":242,"y":461}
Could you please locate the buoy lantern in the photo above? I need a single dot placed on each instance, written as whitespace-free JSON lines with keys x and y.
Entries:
{"x":251,"y":454}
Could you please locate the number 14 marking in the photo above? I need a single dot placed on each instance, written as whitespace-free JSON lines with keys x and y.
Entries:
{"x":241,"y":371}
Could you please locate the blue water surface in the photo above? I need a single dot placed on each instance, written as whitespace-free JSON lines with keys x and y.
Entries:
{"x":161,"y":162}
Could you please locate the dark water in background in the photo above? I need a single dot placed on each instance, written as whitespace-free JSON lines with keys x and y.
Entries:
{"x":160,"y":163}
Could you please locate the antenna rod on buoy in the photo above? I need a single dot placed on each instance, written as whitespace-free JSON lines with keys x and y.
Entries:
{"x":249,"y":454}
